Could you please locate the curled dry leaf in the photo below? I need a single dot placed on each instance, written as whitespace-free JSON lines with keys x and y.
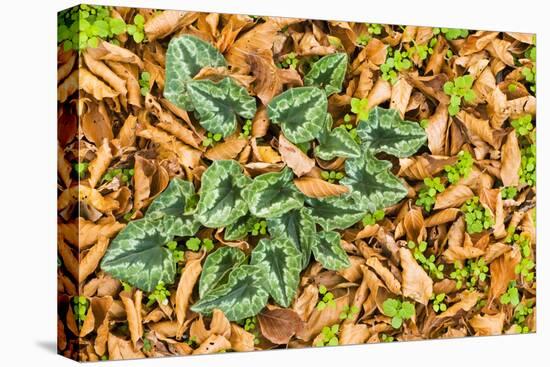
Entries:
{"x":414,"y":225}
{"x":502,"y":272}
{"x":353,"y":334}
{"x":442,"y":217}
{"x":241,"y":340}
{"x":488,"y":324}
{"x":228,"y":149}
{"x":132,"y":306}
{"x":162,"y":24}
{"x":92,"y":258}
{"x":416,"y":283}
{"x":385,"y":274}
{"x":510,"y":161}
{"x":279,"y":325}
{"x":293,"y":157}
{"x":319,"y":318}
{"x":467,"y":301}
{"x":189,"y":277}
{"x":219,"y":325}
{"x":453,"y":196}
{"x":100,"y":164}
{"x":319,"y":188}
{"x":214,"y":344}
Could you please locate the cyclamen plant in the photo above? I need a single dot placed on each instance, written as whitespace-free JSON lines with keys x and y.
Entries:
{"x":291,"y":228}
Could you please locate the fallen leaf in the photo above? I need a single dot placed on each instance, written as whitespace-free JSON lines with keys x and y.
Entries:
{"x":453,"y":196}
{"x":510,"y":161}
{"x":318,"y":188}
{"x":279,"y":325}
{"x":416,"y":283}
{"x":189,"y":276}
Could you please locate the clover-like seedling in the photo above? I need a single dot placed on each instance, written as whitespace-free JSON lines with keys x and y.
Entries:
{"x":259,"y":228}
{"x":522,"y":125}
{"x":511,"y":296}
{"x":126,"y":286}
{"x":459,"y":89}
{"x":424,"y":123}
{"x":81,"y":168}
{"x":461,"y":169}
{"x":522,"y":240}
{"x":427,"y":194}
{"x":508,"y":192}
{"x":332,"y":176}
{"x":374,"y":28}
{"x":522,"y":311}
{"x":451,"y":33}
{"x":396,"y":61}
{"x":247,"y":129}
{"x":362,"y":39}
{"x":249,"y":324}
{"x":196,"y":244}
{"x":177,"y":255}
{"x":371,"y":218}
{"x":144,"y":83}
{"x":350,"y":127}
{"x":80,"y":309}
{"x":427,"y":262}
{"x":211,"y":139}
{"x":438,"y":302}
{"x":159,"y":294}
{"x":289,"y":61}
{"x":124,"y":174}
{"x":424,"y":50}
{"x":524,"y":268}
{"x":478,"y":218}
{"x":330,"y":336}
{"x":348,"y":313}
{"x":530,"y":75}
{"x":360,"y":107}
{"x":528,"y":167}
{"x":136,"y":30}
{"x":327,"y":299}
{"x":398,"y":311}
{"x":384,"y":338}
{"x":147,"y":346}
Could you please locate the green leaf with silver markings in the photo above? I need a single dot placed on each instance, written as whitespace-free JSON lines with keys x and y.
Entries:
{"x":244,"y":295}
{"x":239,"y":230}
{"x":221,"y":202}
{"x":137,"y":255}
{"x":329,"y":252}
{"x":298,"y":226}
{"x":385,"y":131}
{"x":185,"y":57}
{"x":301,"y":112}
{"x":273,"y":194}
{"x":218,"y":104}
{"x":283,"y":263}
{"x":328,"y":73}
{"x":372,"y":185}
{"x":336,"y":142}
{"x":335,"y":212}
{"x":217,"y":267}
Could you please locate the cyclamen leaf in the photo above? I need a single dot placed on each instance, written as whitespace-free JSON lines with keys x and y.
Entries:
{"x":185,"y":57}
{"x":273,"y":194}
{"x":238,"y":230}
{"x":176,"y":206}
{"x":217,"y":266}
{"x":217,"y":104}
{"x":335,"y":212}
{"x":329,"y":252}
{"x":137,"y":255}
{"x":301,"y":112}
{"x":337,"y":143}
{"x":242,"y":296}
{"x":385,"y":131}
{"x":298,"y":226}
{"x":371,"y":183}
{"x":283,"y":263}
{"x":328,"y":73}
{"x":220,"y":202}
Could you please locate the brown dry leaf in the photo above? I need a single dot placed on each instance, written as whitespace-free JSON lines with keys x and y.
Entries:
{"x":377,"y":290}
{"x":127,"y":134}
{"x":64,"y":168}
{"x":82,"y":233}
{"x":268,"y":82}
{"x":317,"y":188}
{"x":120,"y":348}
{"x":420,"y":167}
{"x":228,"y":149}
{"x":189,"y":277}
{"x":380,"y":93}
{"x":100,"y":164}
{"x":375,"y":51}
{"x":503,"y":272}
{"x":387,"y":276}
{"x":416,"y":283}
{"x":353,"y":334}
{"x":107,"y":51}
{"x":453,"y":197}
{"x":218,"y":326}
{"x":437,"y":129}
{"x":400,"y":96}
{"x":481,"y":128}
{"x":92,"y":258}
{"x":462,"y":252}
{"x":260,"y":123}
{"x":68,"y":87}
{"x":266,"y":154}
{"x":467,"y":301}
{"x":103,"y":72}
{"x":442,"y":217}
{"x":318,"y":319}
{"x":231,"y":30}
{"x":477,"y":42}
{"x":214,"y":344}
{"x":414,"y":225}
{"x":96,"y":123}
{"x":241,"y":340}
{"x":279,"y":325}
{"x":293,"y":157}
{"x":94,"y":86}
{"x":510,"y":160}
{"x":132,"y":306}
{"x":305,"y":303}
{"x":488,"y":324}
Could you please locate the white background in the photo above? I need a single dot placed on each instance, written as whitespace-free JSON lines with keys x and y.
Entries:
{"x":28,"y":182}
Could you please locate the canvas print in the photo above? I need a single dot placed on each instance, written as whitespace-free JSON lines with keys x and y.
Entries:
{"x":234,"y":183}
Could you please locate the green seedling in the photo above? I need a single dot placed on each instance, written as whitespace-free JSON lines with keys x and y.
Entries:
{"x":330,"y":336}
{"x":384,"y":338}
{"x":211,"y":139}
{"x":374,"y":28}
{"x":249,"y":325}
{"x":80,"y":309}
{"x":478,"y":218}
{"x":521,"y":312}
{"x":327,"y":299}
{"x":147,"y":346}
{"x":438,"y":302}
{"x":530,"y":75}
{"x":348,"y":312}
{"x":523,"y":125}
{"x":451,"y":33}
{"x":196,"y":244}
{"x":528,"y":167}
{"x":371,"y":219}
{"x":289,"y":61}
{"x":144,"y":83}
{"x":362,"y":39}
{"x":136,"y":30}
{"x":177,"y":255}
{"x":511,"y":296}
{"x":123,"y":174}
{"x":350,"y":127}
{"x":159,"y":294}
{"x":461,"y":169}
{"x":398,"y":311}
{"x":360,"y":107}
{"x":247,"y":129}
{"x":508,"y":192}
{"x":81,"y":168}
{"x":427,"y":262}
{"x":525,"y":269}
{"x":427,"y":194}
{"x":259,"y":228}
{"x":396,"y":61}
{"x":332,"y":176}
{"x":471,"y":274}
{"x":424,"y":123}
{"x":460,"y":89}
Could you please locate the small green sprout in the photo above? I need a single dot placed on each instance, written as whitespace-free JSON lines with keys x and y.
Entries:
{"x":508,"y":192}
{"x":196,"y":244}
{"x":211,"y":139}
{"x":289,"y":61}
{"x":362,"y":39}
{"x":330,"y":336}
{"x":386,"y":338}
{"x":327,"y":300}
{"x":80,"y":309}
{"x":371,"y":219}
{"x":427,"y":194}
{"x":147,"y":346}
{"x":144,"y":83}
{"x":470,"y":275}
{"x":351,"y":128}
{"x":461,"y":169}
{"x":159,"y":294}
{"x":523,"y":125}
{"x":512,"y":87}
{"x":374,"y":28}
{"x":524,"y":268}
{"x":451,"y":33}
{"x":428,"y":263}
{"x":459,"y":89}
{"x":424,"y":123}
{"x":250,"y":326}
{"x":438,"y":302}
{"x":521,"y":312}
{"x":348,"y":312}
{"x":136,"y":30}
{"x":478,"y":218}
{"x":398,"y":311}
{"x":511,"y":296}
{"x":126,"y":286}
{"x":521,"y":240}
{"x":528,"y":168}
{"x":81,"y":168}
{"x":530,"y":75}
{"x":360,"y":107}
{"x":396,"y":61}
{"x":422,"y":51}
{"x":332,"y":176}
{"x":177,"y":255}
{"x":259,"y":228}
{"x":247,"y":129}
{"x":192,"y":341}
{"x":124,"y":174}
{"x":531,"y":53}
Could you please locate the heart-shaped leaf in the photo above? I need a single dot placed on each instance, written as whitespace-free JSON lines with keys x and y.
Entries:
{"x":298,"y":226}
{"x":335,"y":212}
{"x":329,"y":252}
{"x":244,"y":295}
{"x":217,"y":266}
{"x":218,"y":104}
{"x":137,"y":255}
{"x":238,"y":230}
{"x":283,"y":263}
{"x":328,"y":73}
{"x":220,"y":202}
{"x":301,"y":112}
{"x":185,"y":57}
{"x":385,"y":131}
{"x":176,"y":206}
{"x":372,"y":184}
{"x":273,"y":194}
{"x":337,"y":143}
